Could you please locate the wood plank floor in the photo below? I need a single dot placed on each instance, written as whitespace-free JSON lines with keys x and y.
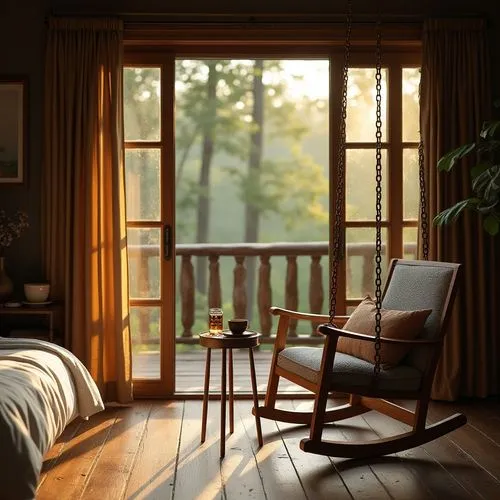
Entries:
{"x":190,"y":370}
{"x":151,"y":450}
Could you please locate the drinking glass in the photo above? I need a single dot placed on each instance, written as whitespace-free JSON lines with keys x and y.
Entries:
{"x":215,"y":320}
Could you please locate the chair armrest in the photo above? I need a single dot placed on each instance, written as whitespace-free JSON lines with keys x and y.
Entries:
{"x":278,"y":311}
{"x":327,"y":329}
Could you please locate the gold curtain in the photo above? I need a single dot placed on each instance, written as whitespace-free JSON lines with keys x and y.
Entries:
{"x":83,"y":201}
{"x":455,"y":100}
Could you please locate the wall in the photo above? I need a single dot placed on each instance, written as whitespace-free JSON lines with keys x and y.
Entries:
{"x":21,"y":53}
{"x":22,"y":27}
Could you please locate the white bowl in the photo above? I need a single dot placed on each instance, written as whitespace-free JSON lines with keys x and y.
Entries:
{"x":36,"y":292}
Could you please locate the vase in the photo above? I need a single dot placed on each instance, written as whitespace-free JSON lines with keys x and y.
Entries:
{"x":6,"y":286}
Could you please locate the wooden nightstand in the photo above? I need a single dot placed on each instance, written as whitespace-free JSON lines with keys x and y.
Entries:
{"x":27,"y":321}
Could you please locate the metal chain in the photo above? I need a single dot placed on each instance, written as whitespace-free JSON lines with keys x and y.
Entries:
{"x":338,"y":245}
{"x":424,"y":222}
{"x":378,"y":206}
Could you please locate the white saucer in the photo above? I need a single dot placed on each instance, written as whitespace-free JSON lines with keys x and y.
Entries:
{"x":12,"y":304}
{"x":246,"y":333}
{"x":35,"y":304}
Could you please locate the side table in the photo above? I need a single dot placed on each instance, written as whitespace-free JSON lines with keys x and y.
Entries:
{"x":228,"y":343}
{"x":46,"y":320}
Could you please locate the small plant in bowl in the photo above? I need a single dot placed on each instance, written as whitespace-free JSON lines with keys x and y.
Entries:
{"x":238,"y":325}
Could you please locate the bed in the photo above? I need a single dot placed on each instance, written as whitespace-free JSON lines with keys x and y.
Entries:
{"x":42,"y":388}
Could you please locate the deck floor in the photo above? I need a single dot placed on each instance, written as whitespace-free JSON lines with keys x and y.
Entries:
{"x":151,"y":450}
{"x":190,"y":370}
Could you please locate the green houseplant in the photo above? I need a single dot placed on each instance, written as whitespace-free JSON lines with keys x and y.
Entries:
{"x":485,"y":178}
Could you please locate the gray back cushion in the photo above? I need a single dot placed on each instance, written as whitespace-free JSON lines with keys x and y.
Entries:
{"x":419,"y":287}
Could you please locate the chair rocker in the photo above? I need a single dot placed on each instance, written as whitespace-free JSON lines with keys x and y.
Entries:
{"x":410,"y":285}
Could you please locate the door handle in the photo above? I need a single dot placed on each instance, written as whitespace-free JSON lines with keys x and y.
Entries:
{"x":167,"y":241}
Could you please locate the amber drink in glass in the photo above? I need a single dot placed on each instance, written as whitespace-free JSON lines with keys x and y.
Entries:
{"x":215,"y":320}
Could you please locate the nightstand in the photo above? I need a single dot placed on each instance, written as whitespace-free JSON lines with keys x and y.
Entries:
{"x":31,"y":321}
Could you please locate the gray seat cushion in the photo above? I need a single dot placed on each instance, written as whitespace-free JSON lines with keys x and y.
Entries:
{"x":347,"y":370}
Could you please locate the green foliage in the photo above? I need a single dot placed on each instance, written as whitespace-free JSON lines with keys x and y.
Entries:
{"x":448,"y":161}
{"x":290,"y":185}
{"x":450,"y":214}
{"x":485,"y":179}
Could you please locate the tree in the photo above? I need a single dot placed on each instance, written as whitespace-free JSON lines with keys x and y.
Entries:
{"x":204,"y":108}
{"x":252,"y":214}
{"x":280,"y":179}
{"x":268,"y":184}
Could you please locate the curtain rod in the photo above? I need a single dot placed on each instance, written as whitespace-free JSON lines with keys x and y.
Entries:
{"x":257,"y":18}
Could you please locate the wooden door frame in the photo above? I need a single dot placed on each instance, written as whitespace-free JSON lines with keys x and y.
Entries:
{"x":165,"y":385}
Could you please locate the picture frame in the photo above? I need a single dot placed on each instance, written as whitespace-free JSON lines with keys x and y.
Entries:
{"x":13,"y":128}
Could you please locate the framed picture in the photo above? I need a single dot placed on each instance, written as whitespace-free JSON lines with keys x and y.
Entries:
{"x":13,"y":128}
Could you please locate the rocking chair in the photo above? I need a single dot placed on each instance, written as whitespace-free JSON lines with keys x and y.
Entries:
{"x":410,"y":285}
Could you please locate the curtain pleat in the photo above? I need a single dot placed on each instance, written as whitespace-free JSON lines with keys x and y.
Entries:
{"x":455,"y":100}
{"x":83,"y":203}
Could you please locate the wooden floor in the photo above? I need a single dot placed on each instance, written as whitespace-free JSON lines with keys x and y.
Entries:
{"x":190,"y":370}
{"x":152,"y":450}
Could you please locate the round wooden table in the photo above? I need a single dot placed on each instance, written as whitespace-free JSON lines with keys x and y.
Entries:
{"x":228,"y":342}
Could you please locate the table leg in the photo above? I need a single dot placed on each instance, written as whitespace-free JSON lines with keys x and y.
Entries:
{"x":231,"y":393}
{"x":255,"y":398}
{"x":205,"y":396}
{"x":223,"y":406}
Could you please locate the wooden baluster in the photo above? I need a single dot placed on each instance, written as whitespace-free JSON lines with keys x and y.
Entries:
{"x":187,"y":295}
{"x":214,"y":286}
{"x":316,"y":292}
{"x":144,"y":324}
{"x":264,"y":295}
{"x":367,"y":286}
{"x":348,"y":274}
{"x":144,"y":292}
{"x":292,"y":292}
{"x":240,"y":288}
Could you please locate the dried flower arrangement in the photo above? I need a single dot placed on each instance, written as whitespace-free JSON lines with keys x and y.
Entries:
{"x":11,"y":228}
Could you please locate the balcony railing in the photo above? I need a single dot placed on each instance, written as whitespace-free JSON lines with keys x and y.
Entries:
{"x":264,"y":253}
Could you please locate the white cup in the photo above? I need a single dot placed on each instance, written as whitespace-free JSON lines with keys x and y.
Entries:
{"x":36,"y":292}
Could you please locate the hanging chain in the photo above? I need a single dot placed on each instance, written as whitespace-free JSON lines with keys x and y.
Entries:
{"x":378,"y":207}
{"x":424,"y":223}
{"x":338,"y":244}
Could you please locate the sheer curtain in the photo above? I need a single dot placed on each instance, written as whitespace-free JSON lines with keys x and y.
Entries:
{"x":455,"y":100}
{"x":83,"y":207}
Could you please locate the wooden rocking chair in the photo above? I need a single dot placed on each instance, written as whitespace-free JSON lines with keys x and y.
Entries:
{"x":410,"y":285}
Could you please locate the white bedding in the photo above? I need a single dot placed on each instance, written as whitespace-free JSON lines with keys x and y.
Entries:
{"x":42,"y":388}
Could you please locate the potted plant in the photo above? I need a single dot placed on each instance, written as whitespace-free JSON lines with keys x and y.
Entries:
{"x":485,"y":178}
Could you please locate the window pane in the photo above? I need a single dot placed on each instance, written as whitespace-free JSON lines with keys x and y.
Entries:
{"x":221,"y":106}
{"x":360,"y":252}
{"x":411,"y":191}
{"x":361,"y":105}
{"x":411,"y":107}
{"x":141,"y":97}
{"x":142,"y":168}
{"x":145,"y":334}
{"x":144,"y":263}
{"x":361,"y":183}
{"x":410,"y":242}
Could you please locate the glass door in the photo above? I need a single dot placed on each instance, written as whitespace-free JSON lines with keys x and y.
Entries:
{"x":150,"y":232}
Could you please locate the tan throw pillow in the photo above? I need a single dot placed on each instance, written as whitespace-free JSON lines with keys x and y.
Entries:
{"x":404,"y":325}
